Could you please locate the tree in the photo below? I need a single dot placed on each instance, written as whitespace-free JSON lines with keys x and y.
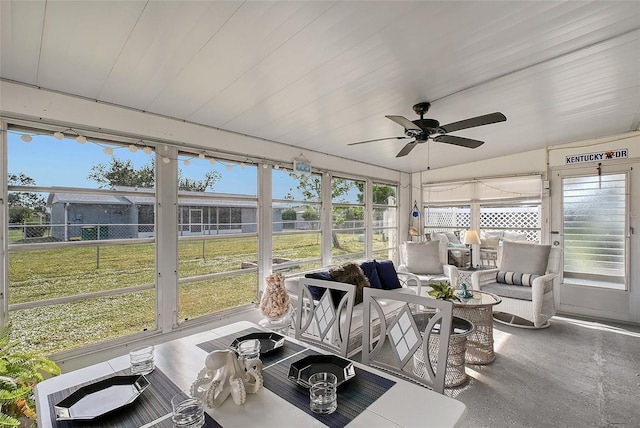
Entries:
{"x":210,"y":179}
{"x":122,"y":173}
{"x":381,"y":193}
{"x":310,"y":186}
{"x":23,"y":205}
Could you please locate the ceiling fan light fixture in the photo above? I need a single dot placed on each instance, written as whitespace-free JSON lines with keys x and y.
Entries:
{"x":423,"y":129}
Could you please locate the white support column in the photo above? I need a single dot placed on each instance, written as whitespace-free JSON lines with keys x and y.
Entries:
{"x":4,"y":220}
{"x":368,"y":218}
{"x":327,"y":220}
{"x":265,"y":225}
{"x":166,"y":238}
{"x":475,"y":225}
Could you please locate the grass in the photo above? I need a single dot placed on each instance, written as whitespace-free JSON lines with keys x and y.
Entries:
{"x":45,"y":274}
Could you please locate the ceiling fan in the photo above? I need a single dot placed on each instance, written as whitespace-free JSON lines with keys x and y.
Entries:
{"x":421,"y":130}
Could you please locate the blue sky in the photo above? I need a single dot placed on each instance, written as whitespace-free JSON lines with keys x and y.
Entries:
{"x":67,"y":163}
{"x":52,"y":162}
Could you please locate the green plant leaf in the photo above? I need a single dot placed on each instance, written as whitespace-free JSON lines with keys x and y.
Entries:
{"x":8,"y":421}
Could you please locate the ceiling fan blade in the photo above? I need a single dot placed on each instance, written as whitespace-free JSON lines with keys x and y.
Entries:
{"x":406,"y":149}
{"x":377,"y":139}
{"x":404,"y":122}
{"x":459,"y":141}
{"x":486,"y":119}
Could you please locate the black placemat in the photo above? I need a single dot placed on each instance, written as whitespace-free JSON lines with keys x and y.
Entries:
{"x":354,"y":396}
{"x":153,"y":403}
{"x":276,"y":355}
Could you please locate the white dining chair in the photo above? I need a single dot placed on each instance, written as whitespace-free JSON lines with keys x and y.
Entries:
{"x":399,"y":345}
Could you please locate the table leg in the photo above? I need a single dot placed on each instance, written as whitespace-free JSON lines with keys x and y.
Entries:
{"x":479,"y":341}
{"x":455,"y":374}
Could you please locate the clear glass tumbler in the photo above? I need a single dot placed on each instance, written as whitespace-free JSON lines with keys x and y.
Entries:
{"x":142,"y":360}
{"x":249,"y":350}
{"x":323,"y":393}
{"x":187,"y":411}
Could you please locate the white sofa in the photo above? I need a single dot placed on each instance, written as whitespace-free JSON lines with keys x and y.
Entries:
{"x":407,"y":281}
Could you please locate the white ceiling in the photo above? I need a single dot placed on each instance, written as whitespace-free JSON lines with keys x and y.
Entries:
{"x":320,"y":74}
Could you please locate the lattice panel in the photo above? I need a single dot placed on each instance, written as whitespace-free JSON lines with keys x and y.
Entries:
{"x":510,"y":220}
{"x":447,"y":217}
{"x":516,"y":221}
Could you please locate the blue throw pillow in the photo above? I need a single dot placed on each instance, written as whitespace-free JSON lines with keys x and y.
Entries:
{"x":371,"y":272}
{"x":388,"y":275}
{"x":317,"y":292}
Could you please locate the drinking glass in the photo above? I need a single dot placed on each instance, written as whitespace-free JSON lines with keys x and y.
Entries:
{"x":187,"y":411}
{"x":323,"y":393}
{"x":249,"y":349}
{"x":142,"y":361}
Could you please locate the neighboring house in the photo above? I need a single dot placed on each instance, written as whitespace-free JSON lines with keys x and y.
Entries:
{"x":96,"y":216}
{"x":76,"y":216}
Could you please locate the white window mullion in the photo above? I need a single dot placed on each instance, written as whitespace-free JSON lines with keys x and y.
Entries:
{"x":368,"y":219}
{"x":327,"y":220}
{"x":4,"y":220}
{"x":167,"y":240}
{"x":265,"y":225}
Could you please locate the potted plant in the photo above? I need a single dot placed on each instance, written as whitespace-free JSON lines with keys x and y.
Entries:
{"x":19,"y":374}
{"x":443,"y":290}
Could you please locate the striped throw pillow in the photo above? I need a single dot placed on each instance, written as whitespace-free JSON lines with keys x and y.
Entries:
{"x":515,"y":278}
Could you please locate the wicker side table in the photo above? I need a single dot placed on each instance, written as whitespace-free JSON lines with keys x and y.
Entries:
{"x":479,"y":310}
{"x":455,"y":374}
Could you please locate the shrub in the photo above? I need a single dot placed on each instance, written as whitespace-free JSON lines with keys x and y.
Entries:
{"x":20,"y":372}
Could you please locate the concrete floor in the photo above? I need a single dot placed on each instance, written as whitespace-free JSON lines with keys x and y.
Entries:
{"x":576,"y":373}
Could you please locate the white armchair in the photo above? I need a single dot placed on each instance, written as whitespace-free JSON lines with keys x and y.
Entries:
{"x":426,"y":261}
{"x":524,"y":281}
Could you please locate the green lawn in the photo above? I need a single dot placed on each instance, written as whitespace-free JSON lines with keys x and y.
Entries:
{"x":45,"y":274}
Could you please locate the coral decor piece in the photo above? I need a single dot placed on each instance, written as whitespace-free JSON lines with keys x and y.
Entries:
{"x":275,"y":300}
{"x":225,"y":374}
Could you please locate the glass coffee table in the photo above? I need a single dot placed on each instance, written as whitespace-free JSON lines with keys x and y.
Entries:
{"x":479,"y":310}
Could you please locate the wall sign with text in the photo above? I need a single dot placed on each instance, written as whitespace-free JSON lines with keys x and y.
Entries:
{"x":302,"y":166}
{"x":598,"y":156}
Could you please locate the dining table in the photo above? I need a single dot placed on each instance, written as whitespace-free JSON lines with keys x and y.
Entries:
{"x":371,"y":398}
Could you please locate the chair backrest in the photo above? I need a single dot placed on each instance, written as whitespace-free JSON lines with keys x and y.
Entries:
{"x":404,"y":346}
{"x":554,"y":264}
{"x":553,"y":261}
{"x":442,"y":251}
{"x":324,"y":321}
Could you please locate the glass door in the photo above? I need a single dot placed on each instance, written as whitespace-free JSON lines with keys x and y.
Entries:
{"x":591,"y":223}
